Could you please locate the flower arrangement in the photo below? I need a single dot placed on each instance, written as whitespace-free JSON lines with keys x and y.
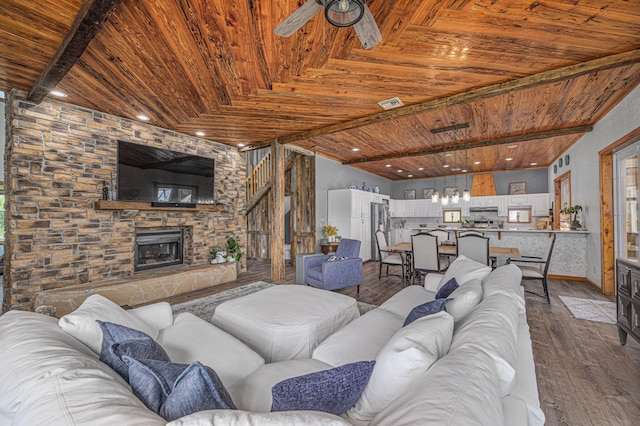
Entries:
{"x":330,"y":230}
{"x":571,"y":210}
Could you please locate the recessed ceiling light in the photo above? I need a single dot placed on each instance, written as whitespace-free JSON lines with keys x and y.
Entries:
{"x":464,"y":170}
{"x":420,"y":168}
{"x":476,"y":162}
{"x":388,"y":165}
{"x":455,"y":169}
{"x":533,"y":164}
{"x":509,"y":159}
{"x":399,"y":171}
{"x":448,"y":155}
{"x":355,"y":149}
{"x":445,"y":165}
{"x":142,"y":117}
{"x":409,"y":175}
{"x":200,"y":133}
{"x":241,"y":145}
{"x":58,"y":93}
{"x":512,"y":146}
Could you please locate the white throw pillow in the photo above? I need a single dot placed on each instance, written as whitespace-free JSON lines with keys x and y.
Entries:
{"x":463,"y":270}
{"x":247,"y":418}
{"x":82,"y":324}
{"x":465,"y":298}
{"x":406,"y":357}
{"x":491,"y":327}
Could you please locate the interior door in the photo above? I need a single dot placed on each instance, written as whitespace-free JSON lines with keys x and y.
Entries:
{"x":626,"y":200}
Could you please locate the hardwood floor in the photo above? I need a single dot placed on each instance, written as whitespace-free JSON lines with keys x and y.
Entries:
{"x":585,"y":377}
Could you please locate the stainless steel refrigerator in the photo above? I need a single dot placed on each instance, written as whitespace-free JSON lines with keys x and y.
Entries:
{"x":380,"y":221}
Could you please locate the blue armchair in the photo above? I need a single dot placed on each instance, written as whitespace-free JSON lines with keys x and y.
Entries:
{"x":344,"y":271}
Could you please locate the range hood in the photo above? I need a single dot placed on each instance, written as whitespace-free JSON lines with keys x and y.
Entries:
{"x":483,"y":209}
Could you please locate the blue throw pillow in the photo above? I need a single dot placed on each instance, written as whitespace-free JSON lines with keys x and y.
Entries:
{"x":118,"y":340}
{"x":176,"y":390}
{"x":332,"y":391}
{"x":448,"y":288}
{"x":425,"y":309}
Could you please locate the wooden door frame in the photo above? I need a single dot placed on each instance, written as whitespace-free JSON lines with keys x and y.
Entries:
{"x":557,"y":205}
{"x":607,"y":210}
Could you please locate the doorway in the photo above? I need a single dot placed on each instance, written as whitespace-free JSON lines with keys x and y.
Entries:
{"x":626,"y":186}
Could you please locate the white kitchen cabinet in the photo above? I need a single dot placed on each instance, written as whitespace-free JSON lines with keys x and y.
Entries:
{"x":399,"y":208}
{"x":519,"y":200}
{"x":434,"y":209}
{"x":503,"y":205}
{"x":540,"y":204}
{"x":422,"y":208}
{"x":410,"y":208}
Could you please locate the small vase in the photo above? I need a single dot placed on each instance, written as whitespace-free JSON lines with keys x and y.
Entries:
{"x":575,"y":225}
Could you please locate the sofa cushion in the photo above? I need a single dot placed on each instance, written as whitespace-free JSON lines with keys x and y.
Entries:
{"x":429,"y":308}
{"x":82,"y":324}
{"x":253,"y":393}
{"x":248,"y":418}
{"x":175,"y":390}
{"x":464,"y":299}
{"x":460,"y":389}
{"x":119,"y":340}
{"x":464,"y":269}
{"x":447,"y":288}
{"x":506,"y":280}
{"x":49,"y":377}
{"x":364,"y":337}
{"x":332,"y":391}
{"x":409,"y":353}
{"x":192,"y":339}
{"x":491,"y":327}
{"x":406,"y":299}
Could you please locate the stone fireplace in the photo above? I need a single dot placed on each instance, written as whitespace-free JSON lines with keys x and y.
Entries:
{"x":157,"y":248}
{"x":62,"y":237}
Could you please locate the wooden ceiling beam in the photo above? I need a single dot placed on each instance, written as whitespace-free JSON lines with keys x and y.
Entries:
{"x":461,"y":146}
{"x":546,"y":77}
{"x":93,"y":14}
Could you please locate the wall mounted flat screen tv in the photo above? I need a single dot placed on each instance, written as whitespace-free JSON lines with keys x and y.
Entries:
{"x":163,"y":176}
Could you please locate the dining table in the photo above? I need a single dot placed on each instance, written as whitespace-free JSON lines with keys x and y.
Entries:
{"x":446,"y":249}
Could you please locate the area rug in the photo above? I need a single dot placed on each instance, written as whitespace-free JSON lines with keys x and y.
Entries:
{"x":205,"y":306}
{"x":592,"y":310}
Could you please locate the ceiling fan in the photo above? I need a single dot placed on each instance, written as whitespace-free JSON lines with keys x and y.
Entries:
{"x":341,"y":13}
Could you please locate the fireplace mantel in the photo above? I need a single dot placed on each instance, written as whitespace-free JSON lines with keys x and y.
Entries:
{"x":138,"y":205}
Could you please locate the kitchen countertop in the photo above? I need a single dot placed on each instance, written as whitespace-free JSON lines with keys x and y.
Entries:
{"x":529,"y":230}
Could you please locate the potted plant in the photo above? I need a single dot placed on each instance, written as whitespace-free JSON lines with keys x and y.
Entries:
{"x":213,"y":255}
{"x":233,"y":250}
{"x":331,"y":232}
{"x":573,"y":214}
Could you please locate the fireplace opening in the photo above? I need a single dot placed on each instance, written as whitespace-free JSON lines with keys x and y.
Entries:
{"x":158,"y":248}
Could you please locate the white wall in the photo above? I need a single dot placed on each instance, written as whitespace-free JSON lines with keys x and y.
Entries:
{"x":585,"y":175}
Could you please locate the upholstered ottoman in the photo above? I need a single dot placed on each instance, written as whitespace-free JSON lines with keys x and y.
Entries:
{"x":285,"y":321}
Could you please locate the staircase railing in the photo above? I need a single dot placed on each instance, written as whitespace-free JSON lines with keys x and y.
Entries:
{"x":259,"y":176}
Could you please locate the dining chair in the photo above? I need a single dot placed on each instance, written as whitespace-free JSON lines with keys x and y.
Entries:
{"x":388,"y":258}
{"x":536,"y":268}
{"x":424,"y":255}
{"x":469,"y":232}
{"x":475,"y":247}
{"x":441,"y":234}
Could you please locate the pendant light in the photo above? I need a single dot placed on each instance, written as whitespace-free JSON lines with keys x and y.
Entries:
{"x":466,"y":194}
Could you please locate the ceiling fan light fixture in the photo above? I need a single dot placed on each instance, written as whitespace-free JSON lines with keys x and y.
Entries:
{"x":344,"y":13}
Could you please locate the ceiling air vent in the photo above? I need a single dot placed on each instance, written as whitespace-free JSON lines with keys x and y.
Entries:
{"x":391,"y":103}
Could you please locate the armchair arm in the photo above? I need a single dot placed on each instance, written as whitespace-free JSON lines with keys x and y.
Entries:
{"x":312,"y":261}
{"x":342,"y":273}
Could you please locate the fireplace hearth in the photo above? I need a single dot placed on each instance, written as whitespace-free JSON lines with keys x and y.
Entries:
{"x":158,"y":248}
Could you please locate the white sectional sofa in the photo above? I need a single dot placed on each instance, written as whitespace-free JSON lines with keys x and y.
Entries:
{"x":473,"y":365}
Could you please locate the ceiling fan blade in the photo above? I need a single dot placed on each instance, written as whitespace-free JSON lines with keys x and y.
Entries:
{"x":367,"y":30}
{"x":298,"y":18}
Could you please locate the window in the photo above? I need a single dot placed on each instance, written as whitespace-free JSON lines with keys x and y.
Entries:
{"x":519,"y":215}
{"x":452,"y":216}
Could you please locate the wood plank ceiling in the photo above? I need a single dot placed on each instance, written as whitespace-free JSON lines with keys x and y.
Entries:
{"x":528,"y":77}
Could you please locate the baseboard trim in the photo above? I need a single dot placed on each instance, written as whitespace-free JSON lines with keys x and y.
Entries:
{"x":571,"y":278}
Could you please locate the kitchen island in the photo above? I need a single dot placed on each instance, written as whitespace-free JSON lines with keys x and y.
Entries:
{"x":569,"y":257}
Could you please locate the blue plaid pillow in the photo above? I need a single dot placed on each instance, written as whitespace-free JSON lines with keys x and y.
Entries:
{"x":332,"y":391}
{"x":176,"y":390}
{"x":425,"y":309}
{"x":118,"y":341}
{"x":448,"y":288}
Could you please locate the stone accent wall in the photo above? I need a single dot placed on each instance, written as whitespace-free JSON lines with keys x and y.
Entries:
{"x":57,"y":157}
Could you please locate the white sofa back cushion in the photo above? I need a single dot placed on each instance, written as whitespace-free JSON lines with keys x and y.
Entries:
{"x":246,"y":418}
{"x":406,"y":299}
{"x":82,"y":325}
{"x":49,"y":377}
{"x":360,"y":340}
{"x":465,"y":298}
{"x":192,"y":339}
{"x":464,"y":269}
{"x":409,"y":353}
{"x":459,"y":389}
{"x":492,"y":328}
